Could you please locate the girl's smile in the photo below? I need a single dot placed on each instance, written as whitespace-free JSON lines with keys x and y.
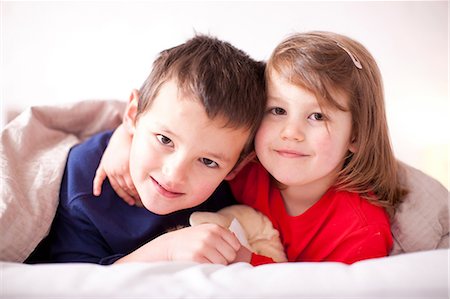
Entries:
{"x":301,"y":143}
{"x":287,"y":153}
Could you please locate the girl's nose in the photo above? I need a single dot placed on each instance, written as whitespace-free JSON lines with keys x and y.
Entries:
{"x":292,"y":131}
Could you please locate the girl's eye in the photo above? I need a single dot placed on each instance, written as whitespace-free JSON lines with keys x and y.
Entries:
{"x":163,"y":139}
{"x":277,"y":111}
{"x":317,"y":116}
{"x":209,"y":163}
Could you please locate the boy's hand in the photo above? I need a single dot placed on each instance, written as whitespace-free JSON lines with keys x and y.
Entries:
{"x":115,"y":165}
{"x":204,"y":243}
{"x":243,"y":255}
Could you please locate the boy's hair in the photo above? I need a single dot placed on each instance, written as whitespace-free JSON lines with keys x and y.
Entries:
{"x":227,"y":82}
{"x":325,"y":62}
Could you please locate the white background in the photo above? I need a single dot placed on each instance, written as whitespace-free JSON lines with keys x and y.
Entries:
{"x":58,"y":52}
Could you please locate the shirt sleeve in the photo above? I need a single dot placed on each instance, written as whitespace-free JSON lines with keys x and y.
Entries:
{"x":257,"y":260}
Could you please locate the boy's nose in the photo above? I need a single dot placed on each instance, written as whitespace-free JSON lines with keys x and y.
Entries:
{"x":174,"y":169}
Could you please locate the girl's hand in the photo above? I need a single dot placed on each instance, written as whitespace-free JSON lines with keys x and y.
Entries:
{"x":115,"y":165}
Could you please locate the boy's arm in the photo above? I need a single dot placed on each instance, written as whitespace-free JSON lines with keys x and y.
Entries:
{"x":74,"y":238}
{"x":205,"y":243}
{"x":115,"y":165}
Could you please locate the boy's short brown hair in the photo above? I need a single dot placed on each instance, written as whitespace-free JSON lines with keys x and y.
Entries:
{"x":228,"y":82}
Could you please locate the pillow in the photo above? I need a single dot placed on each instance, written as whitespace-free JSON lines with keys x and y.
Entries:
{"x":422,"y":219}
{"x":33,"y":156}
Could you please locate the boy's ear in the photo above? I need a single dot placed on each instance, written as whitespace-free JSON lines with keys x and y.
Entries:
{"x":237,"y":168}
{"x":129,"y":117}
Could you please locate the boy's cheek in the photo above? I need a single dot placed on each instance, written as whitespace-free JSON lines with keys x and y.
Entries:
{"x":204,"y":190}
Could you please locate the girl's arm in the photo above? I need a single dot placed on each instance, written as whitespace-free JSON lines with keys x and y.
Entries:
{"x":115,"y":165}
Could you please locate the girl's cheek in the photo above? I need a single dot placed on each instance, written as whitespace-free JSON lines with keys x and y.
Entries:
{"x":263,"y":132}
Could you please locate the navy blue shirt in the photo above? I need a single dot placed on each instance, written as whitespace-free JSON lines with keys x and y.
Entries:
{"x":103,"y":229}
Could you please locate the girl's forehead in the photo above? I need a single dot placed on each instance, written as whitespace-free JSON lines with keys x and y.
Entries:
{"x":324,"y":94}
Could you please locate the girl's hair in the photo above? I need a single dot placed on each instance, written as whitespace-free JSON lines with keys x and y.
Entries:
{"x":324,"y":63}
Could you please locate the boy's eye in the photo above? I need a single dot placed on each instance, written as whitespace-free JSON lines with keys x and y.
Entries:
{"x":317,"y":116}
{"x":209,"y":163}
{"x":277,"y":111}
{"x":163,"y":139}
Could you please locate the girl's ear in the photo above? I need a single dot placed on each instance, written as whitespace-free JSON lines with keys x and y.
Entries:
{"x":129,"y":117}
{"x":353,"y":146}
{"x":238,"y":167}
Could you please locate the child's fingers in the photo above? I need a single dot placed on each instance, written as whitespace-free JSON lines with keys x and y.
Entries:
{"x":224,"y":246}
{"x":126,"y":184}
{"x":131,"y":189}
{"x":100,"y":176}
{"x":216,"y":257}
{"x":122,"y":193}
{"x":222,"y":252}
{"x":231,"y":239}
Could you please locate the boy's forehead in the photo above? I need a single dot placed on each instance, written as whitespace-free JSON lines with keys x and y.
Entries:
{"x":177,"y":109}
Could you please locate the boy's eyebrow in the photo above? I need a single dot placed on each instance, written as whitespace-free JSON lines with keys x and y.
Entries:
{"x":220,"y":157}
{"x":169,"y":132}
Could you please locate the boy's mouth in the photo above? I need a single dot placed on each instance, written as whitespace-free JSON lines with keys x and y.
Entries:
{"x":165,"y":191}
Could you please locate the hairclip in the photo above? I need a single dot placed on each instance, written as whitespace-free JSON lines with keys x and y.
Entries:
{"x":354,"y":58}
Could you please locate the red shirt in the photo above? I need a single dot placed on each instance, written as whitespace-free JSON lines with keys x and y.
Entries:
{"x":340,"y":227}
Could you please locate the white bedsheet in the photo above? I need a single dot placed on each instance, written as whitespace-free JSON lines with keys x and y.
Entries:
{"x":413,"y":275}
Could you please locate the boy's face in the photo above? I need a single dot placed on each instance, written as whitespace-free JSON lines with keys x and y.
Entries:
{"x":178,"y":155}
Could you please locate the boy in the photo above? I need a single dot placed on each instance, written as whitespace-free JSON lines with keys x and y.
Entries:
{"x":192,"y":123}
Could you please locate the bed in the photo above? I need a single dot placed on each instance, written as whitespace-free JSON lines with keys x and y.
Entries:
{"x":33,"y":153}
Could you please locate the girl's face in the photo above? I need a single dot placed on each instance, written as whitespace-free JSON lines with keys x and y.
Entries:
{"x":300,"y":143}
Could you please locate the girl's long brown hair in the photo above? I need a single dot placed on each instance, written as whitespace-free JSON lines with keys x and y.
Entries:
{"x":325,"y":62}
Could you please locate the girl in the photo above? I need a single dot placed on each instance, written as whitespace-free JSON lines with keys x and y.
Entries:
{"x":326,"y":175}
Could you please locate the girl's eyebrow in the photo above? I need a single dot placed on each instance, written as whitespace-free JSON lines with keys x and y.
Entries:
{"x":275,"y":99}
{"x":310,"y":104}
